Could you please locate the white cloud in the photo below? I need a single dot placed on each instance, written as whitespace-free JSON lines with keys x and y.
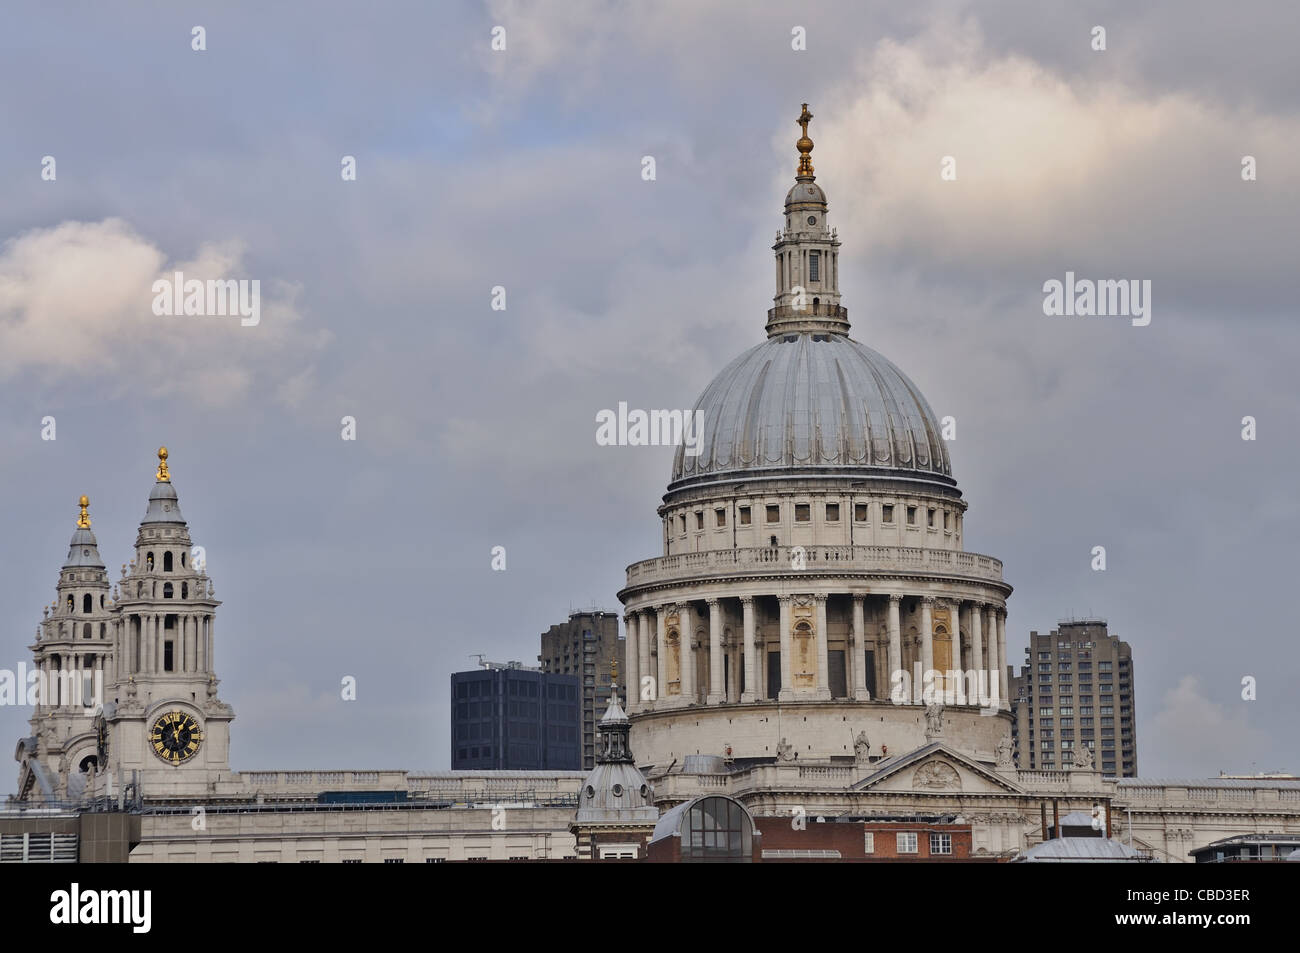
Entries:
{"x":1049,"y":168}
{"x":76,"y":303}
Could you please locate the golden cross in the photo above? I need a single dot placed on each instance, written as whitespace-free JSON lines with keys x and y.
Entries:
{"x":804,"y":118}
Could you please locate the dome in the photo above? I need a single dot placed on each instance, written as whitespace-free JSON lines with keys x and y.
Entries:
{"x":805,"y":192}
{"x":616,"y":791}
{"x":83,"y":551}
{"x":802,"y":403}
{"x":164,"y":505}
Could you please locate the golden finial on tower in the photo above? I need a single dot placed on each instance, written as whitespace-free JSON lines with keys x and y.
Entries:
{"x":804,"y":145}
{"x":83,"y":522}
{"x":163,"y":476}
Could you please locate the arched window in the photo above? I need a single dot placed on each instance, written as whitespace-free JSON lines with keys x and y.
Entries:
{"x":85,"y":631}
{"x":167,"y":561}
{"x":103,"y":630}
{"x":185,"y":590}
{"x":72,"y":603}
{"x":715,"y":828}
{"x":87,"y":603}
{"x":182,"y":560}
{"x":148,"y":562}
{"x":101,"y":602}
{"x":167,"y":590}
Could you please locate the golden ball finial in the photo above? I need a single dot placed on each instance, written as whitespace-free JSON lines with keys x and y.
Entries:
{"x":83,"y":522}
{"x":804,"y":145}
{"x":163,"y":476}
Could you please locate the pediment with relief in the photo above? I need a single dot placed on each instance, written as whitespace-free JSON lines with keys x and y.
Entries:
{"x":938,"y":769}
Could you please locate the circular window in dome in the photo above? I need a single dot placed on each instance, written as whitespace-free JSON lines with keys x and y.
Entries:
{"x":591,"y":792}
{"x":618,"y":790}
{"x":645,"y":790}
{"x":812,"y":219}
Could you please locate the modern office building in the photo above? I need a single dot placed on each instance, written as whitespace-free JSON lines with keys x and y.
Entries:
{"x":586,"y":645}
{"x":505,"y":717}
{"x":1073,"y":701}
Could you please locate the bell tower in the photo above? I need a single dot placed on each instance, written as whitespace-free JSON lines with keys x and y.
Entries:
{"x":166,"y":725}
{"x":807,"y":256}
{"x":73,"y":657}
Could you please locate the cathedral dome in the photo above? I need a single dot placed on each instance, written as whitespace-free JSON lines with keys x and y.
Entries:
{"x":811,"y":402}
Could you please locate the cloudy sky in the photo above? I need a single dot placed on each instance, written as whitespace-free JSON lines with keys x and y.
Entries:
{"x":522,"y":169}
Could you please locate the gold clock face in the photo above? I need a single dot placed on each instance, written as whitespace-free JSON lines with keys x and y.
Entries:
{"x":176,"y":737}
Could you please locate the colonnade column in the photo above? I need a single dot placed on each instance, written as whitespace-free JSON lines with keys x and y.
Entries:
{"x":786,"y":689}
{"x":751,"y":651}
{"x":858,"y":652}
{"x":661,"y":687}
{"x":977,"y":649}
{"x":1002,"y":656}
{"x":686,"y":638}
{"x":823,"y":649}
{"x":631,"y":661}
{"x":995,"y":685}
{"x":643,"y":643}
{"x":717,"y":689}
{"x":927,"y":641}
{"x":895,"y":638}
{"x":956,"y":637}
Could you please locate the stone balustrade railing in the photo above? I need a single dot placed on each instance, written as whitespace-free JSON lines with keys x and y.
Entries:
{"x":813,"y":560}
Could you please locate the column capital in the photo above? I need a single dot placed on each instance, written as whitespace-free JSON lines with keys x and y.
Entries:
{"x":927,"y":600}
{"x":785,"y":600}
{"x":712,"y":603}
{"x":746,"y":600}
{"x":820,"y":598}
{"x":895,"y":598}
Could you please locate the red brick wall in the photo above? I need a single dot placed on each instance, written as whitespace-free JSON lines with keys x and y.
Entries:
{"x":779,"y":833}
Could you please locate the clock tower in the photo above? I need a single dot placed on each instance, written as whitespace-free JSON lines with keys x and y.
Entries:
{"x":166,"y":727}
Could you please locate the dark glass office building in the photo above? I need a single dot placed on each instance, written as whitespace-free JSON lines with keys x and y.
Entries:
{"x":507,"y":717}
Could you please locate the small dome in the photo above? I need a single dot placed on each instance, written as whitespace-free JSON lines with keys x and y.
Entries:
{"x":164,"y":506}
{"x":83,"y":551}
{"x":613,"y":790}
{"x":805,"y":191}
{"x":806,"y":403}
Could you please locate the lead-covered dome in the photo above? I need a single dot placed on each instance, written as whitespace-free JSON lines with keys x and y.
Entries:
{"x":803,"y":402}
